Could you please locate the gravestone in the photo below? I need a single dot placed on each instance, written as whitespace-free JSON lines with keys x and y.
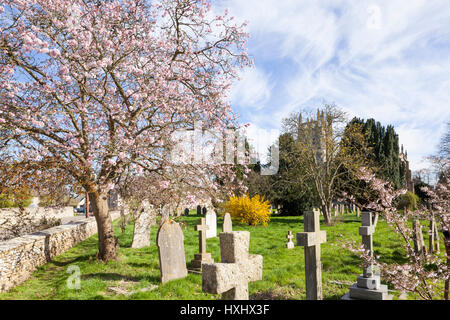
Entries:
{"x":165,"y":213}
{"x":358,"y":212}
{"x":419,"y":243}
{"x":227,"y":224}
{"x":237,"y":268}
{"x":368,"y":286}
{"x":204,"y":210}
{"x":172,"y":260}
{"x":342,"y":209}
{"x":199,"y":210}
{"x":142,"y":226}
{"x":186,"y":211}
{"x":202,"y":256}
{"x":335,"y":210}
{"x":289,"y":244}
{"x":311,"y":240}
{"x":211,"y":221}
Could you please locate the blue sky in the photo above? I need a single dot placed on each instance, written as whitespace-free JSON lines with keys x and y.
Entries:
{"x":387,"y":60}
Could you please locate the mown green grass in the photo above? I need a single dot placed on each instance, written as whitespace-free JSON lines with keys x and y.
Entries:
{"x":283,"y":269}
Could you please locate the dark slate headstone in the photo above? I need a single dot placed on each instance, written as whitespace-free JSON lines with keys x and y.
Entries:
{"x":199,"y":210}
{"x":186,"y":211}
{"x":172,"y":260}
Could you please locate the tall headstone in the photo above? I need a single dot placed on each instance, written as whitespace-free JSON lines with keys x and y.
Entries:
{"x":211,"y":221}
{"x":199,"y":210}
{"x":342,"y":209}
{"x":289,"y":236}
{"x":419,"y":244}
{"x":368,"y":286}
{"x":311,"y":239}
{"x":227,"y":224}
{"x":237,"y":268}
{"x":202,"y":256}
{"x":165,"y":213}
{"x":142,"y":226}
{"x":204,"y":210}
{"x":358,"y":212}
{"x":172,"y":260}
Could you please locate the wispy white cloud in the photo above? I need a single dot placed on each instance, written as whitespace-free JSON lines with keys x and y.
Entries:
{"x":387,"y":60}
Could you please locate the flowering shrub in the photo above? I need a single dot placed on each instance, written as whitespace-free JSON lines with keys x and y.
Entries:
{"x":249,"y":210}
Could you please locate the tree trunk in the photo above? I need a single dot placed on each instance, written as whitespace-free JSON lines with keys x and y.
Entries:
{"x":447,"y":249}
{"x":326,"y":210}
{"x":106,"y":242}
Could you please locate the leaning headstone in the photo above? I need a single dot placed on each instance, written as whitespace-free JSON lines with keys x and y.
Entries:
{"x":202,"y":256}
{"x":289,"y":244}
{"x":142,"y":225}
{"x":311,"y":239}
{"x":165,"y":213}
{"x":227,"y":224}
{"x":368,"y":286}
{"x":237,"y":268}
{"x":172,"y":260}
{"x":211,"y":221}
{"x":419,"y":243}
{"x":431,"y":236}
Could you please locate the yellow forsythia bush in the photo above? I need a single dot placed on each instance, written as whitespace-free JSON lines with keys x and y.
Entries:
{"x":249,"y":210}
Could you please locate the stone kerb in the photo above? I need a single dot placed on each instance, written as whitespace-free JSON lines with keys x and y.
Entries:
{"x":19,"y":257}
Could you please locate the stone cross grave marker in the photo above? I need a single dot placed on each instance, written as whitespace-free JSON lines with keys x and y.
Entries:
{"x":142,"y":226}
{"x":289,"y":236}
{"x":227,"y":225}
{"x":172,"y":260}
{"x":211,"y":221}
{"x":202,"y":256}
{"x":311,"y":240}
{"x":237,"y":268}
{"x":368,"y":286}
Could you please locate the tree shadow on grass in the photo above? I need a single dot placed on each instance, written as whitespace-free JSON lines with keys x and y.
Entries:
{"x":105,"y":276}
{"x":83,"y":258}
{"x":270,"y":295}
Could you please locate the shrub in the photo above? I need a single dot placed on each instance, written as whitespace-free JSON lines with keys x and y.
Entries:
{"x":251,"y":211}
{"x":409,"y":201}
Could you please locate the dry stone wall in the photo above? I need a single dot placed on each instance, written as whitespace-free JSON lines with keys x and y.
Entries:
{"x":20,"y":256}
{"x":14,"y":222}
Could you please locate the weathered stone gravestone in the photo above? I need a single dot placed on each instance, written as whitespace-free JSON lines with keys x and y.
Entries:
{"x":172,"y":260}
{"x":204,"y":210}
{"x":358,"y":212}
{"x":202,"y":256}
{"x":419,"y":243}
{"x":142,"y":226}
{"x":227,"y":224}
{"x":186,"y":211}
{"x":311,"y":240}
{"x":199,"y":210}
{"x":237,"y":268}
{"x":165,"y":213}
{"x":368,"y":285}
{"x":289,"y":244}
{"x":433,"y":237}
{"x":211,"y":221}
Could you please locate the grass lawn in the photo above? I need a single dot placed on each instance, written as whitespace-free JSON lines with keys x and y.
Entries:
{"x":136,"y":275}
